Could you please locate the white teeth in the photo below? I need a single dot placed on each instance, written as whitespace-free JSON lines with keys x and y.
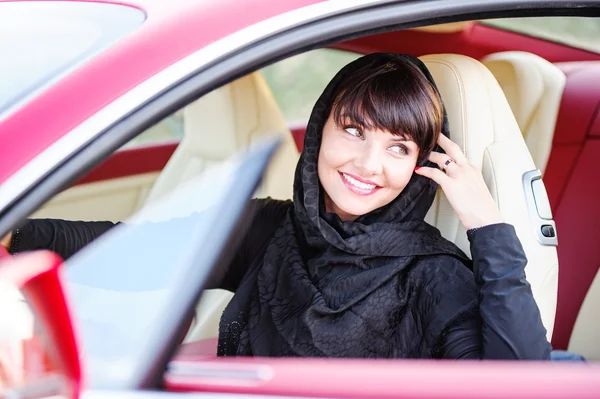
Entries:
{"x":358,"y":184}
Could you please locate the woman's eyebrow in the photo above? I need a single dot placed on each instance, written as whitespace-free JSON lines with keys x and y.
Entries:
{"x":400,"y":138}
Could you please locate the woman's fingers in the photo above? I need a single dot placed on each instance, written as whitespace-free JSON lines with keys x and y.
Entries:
{"x":434,"y":174}
{"x":452,"y":149}
{"x":440,"y":159}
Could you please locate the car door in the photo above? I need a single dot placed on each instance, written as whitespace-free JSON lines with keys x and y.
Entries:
{"x":223,"y":69}
{"x":132,"y":290}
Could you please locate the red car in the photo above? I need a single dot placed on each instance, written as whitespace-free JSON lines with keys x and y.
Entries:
{"x":110,"y":107}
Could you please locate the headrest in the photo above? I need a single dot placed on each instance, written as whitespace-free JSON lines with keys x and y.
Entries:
{"x":236,"y":116}
{"x":478,"y":111}
{"x":533,"y":87}
{"x":219,"y":123}
{"x":524,"y":78}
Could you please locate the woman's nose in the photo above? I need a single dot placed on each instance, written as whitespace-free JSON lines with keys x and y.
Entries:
{"x":369,"y":162}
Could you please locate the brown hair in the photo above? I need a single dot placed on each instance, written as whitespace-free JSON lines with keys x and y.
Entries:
{"x":394,"y":96}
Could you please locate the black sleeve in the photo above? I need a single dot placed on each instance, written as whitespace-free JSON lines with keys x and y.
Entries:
{"x":64,"y":237}
{"x":67,"y":237}
{"x":509,"y":324}
{"x":267,"y":217}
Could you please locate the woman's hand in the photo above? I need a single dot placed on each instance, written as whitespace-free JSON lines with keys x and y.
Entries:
{"x":463,"y":185}
{"x":6,"y":240}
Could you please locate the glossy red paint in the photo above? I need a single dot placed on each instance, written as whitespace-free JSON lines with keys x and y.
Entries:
{"x":571,"y":181}
{"x":476,"y":41}
{"x":3,"y":252}
{"x":37,"y":275}
{"x":383,"y":379}
{"x":173,"y":30}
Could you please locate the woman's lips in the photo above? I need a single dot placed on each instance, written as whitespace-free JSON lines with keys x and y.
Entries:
{"x":356,"y":186}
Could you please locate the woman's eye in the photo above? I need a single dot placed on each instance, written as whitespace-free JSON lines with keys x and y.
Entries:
{"x":353,"y":131}
{"x":399,"y":149}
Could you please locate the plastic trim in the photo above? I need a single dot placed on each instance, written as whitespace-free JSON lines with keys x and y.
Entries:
{"x":536,"y":220}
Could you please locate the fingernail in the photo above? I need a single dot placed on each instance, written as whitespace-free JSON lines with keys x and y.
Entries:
{"x":417,"y":168}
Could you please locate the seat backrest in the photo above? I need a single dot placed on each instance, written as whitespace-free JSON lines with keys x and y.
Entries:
{"x":223,"y":122}
{"x":217,"y":126}
{"x":533,"y":87}
{"x":482,"y":123}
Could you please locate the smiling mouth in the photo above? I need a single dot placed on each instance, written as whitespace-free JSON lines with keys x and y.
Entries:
{"x":357,"y":186}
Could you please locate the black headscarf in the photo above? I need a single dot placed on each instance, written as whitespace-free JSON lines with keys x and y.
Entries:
{"x":329,"y":288}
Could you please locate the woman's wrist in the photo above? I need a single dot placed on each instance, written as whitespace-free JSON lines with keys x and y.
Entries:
{"x":485,"y":220}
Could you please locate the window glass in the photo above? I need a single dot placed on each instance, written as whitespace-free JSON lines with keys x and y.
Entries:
{"x":147,"y":271}
{"x":578,"y":32}
{"x":169,"y":129}
{"x":42,"y":40}
{"x":297,"y":82}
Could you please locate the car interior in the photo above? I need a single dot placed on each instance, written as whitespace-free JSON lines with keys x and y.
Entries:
{"x":515,"y":103}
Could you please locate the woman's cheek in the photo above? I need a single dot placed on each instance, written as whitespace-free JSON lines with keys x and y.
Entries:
{"x":399,"y":175}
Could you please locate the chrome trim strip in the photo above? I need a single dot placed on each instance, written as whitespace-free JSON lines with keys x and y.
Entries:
{"x":236,"y":372}
{"x":91,"y":128}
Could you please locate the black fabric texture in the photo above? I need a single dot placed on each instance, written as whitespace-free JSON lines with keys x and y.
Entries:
{"x":65,"y":237}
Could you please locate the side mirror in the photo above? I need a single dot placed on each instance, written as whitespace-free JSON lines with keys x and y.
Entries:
{"x":39,"y":356}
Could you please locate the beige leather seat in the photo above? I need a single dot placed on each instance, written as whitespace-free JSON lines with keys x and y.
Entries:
{"x":586,"y":331}
{"x":223,"y":122}
{"x":533,"y":88}
{"x":217,"y":126}
{"x":482,"y":123}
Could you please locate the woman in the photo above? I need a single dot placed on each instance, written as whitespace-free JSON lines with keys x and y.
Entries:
{"x":350,"y":268}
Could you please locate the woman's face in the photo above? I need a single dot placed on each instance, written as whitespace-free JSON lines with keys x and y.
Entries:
{"x":362,"y":170}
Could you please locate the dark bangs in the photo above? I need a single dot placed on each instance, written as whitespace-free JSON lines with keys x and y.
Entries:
{"x":394,"y":96}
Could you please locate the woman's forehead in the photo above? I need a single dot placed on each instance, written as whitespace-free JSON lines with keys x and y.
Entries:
{"x":366,"y":125}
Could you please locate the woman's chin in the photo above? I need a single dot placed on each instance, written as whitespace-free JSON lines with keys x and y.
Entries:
{"x":349,"y":212}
